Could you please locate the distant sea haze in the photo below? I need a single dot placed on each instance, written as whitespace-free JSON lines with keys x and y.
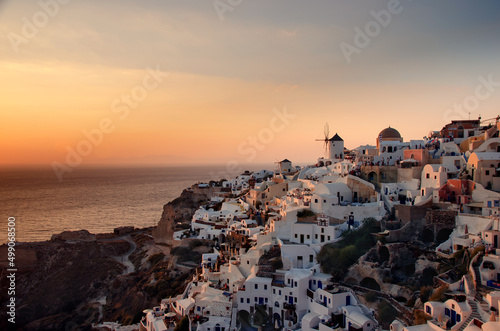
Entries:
{"x":95,"y":199}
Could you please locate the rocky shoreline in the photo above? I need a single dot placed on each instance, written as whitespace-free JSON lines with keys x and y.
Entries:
{"x":78,"y":279}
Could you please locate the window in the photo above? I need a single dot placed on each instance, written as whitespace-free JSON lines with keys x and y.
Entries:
{"x":295,"y":235}
{"x":199,"y":308}
{"x":311,"y":258}
{"x":279,"y":292}
{"x":308,"y":237}
{"x":447,"y":312}
{"x":248,"y":300}
{"x":274,"y":291}
{"x":315,"y":200}
{"x":487,"y":172}
{"x":316,"y":236}
{"x":459,"y":318}
{"x":265,"y":286}
{"x":295,"y":299}
{"x":322,"y":230}
{"x":428,"y":310}
{"x":324,"y":201}
{"x":248,"y":262}
{"x":295,"y":284}
{"x":241,"y":300}
{"x":328,"y":238}
{"x":288,"y":281}
{"x":255,"y":299}
{"x":427,"y":175}
{"x":265,"y":300}
{"x":256,"y":286}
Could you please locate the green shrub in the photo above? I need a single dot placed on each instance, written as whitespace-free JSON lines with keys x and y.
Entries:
{"x":182,"y":325}
{"x":336,"y":258}
{"x":386,"y":312}
{"x":438,"y":294}
{"x":425,"y":293}
{"x":305,"y":213}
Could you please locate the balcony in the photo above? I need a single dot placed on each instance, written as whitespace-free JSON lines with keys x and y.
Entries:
{"x":289,"y":306}
{"x":278,"y":283}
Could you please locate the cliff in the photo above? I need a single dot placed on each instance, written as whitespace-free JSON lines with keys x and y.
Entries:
{"x":177,"y":213}
{"x":71,"y":282}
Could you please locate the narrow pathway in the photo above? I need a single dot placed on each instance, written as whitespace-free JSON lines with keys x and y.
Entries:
{"x":124,"y":259}
{"x":474,"y":314}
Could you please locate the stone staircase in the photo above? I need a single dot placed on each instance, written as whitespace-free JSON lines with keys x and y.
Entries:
{"x":475,"y":314}
{"x":481,"y":290}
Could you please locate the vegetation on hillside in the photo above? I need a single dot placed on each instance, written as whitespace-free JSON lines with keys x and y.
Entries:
{"x":337,"y":257}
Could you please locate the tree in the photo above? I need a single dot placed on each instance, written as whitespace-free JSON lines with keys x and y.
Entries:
{"x":386,"y":312}
{"x":182,"y":325}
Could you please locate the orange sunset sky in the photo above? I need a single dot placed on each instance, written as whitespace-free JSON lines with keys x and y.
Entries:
{"x":224,"y":73}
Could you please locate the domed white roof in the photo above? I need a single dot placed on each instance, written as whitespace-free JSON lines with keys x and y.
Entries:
{"x":332,"y":189}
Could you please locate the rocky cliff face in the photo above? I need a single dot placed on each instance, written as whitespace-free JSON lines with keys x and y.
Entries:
{"x":180,"y":210}
{"x":71,"y":283}
{"x":55,"y":278}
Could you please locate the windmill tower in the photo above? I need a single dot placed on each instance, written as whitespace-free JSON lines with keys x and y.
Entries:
{"x":336,"y":148}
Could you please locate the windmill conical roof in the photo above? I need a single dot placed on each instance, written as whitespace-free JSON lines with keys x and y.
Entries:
{"x":336,"y":137}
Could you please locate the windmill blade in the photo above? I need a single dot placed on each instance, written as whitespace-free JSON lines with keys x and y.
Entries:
{"x":326,"y":130}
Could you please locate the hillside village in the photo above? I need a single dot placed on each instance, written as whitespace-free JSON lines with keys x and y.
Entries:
{"x":400,"y":235}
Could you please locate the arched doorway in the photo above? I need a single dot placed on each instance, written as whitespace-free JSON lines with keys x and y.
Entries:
{"x":370,"y":283}
{"x":383,"y":254}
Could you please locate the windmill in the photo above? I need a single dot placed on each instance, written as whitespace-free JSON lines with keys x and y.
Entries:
{"x":326,"y":131}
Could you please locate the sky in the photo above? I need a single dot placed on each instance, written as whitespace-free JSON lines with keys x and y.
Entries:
{"x":236,"y":81}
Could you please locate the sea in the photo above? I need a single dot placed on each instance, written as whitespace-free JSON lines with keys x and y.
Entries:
{"x":97,"y":199}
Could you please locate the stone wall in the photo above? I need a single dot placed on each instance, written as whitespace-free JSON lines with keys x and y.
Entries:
{"x":379,"y":174}
{"x":365,"y":192}
{"x":407,"y":174}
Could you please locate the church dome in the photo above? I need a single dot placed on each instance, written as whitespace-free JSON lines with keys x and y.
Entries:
{"x":389,"y":133}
